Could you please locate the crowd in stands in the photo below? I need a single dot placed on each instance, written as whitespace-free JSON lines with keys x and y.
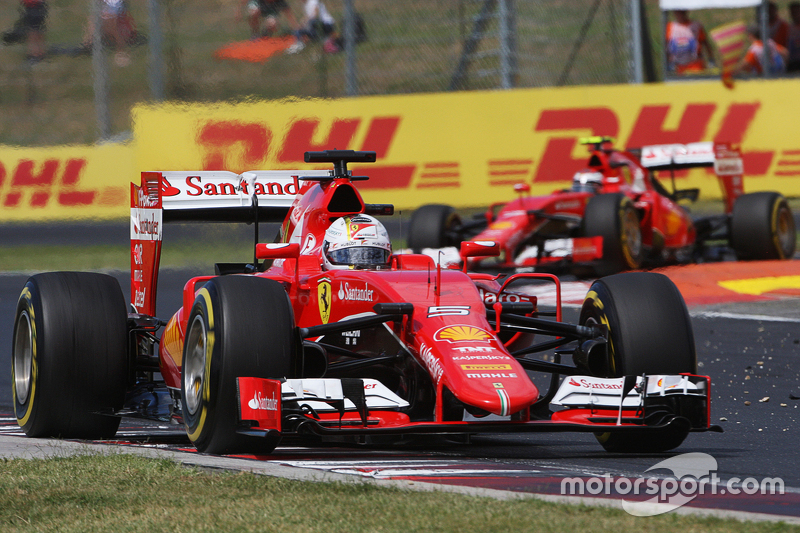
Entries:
{"x":689,"y":48}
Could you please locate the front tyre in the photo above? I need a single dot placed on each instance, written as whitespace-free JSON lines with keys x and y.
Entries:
{"x":762,"y":227}
{"x":614,"y":217}
{"x":239,"y":326}
{"x":433,"y":226}
{"x":649,"y":332}
{"x":69,"y":355}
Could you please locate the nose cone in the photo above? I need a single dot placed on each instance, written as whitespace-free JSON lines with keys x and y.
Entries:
{"x":501,"y":388}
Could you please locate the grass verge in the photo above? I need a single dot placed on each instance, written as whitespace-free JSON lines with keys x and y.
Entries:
{"x":123,"y":493}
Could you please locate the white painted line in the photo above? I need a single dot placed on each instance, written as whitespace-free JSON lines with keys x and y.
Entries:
{"x":737,"y":316}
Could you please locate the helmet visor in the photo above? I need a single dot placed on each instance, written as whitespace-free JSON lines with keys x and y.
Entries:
{"x":359,"y":255}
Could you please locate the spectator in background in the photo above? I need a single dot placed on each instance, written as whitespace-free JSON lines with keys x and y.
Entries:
{"x":267,"y":11}
{"x":317,"y":24}
{"x":686,"y":42}
{"x":793,"y":43}
{"x":30,"y":27}
{"x":778,"y":28}
{"x":113,"y":17}
{"x":752,"y":59}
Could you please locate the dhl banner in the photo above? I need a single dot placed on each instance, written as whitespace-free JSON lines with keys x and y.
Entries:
{"x":464,"y":149}
{"x":69,"y":182}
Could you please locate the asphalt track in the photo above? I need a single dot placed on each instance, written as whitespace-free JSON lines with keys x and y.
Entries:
{"x":746,"y":320}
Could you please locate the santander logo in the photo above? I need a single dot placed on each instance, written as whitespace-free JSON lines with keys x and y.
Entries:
{"x":167,"y":189}
{"x":355,"y":294}
{"x":260,"y":403}
{"x":587,"y":384}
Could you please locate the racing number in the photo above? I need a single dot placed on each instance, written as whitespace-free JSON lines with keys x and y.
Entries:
{"x":448,"y":310}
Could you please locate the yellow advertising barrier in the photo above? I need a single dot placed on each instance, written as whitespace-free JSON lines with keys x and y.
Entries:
{"x":464,"y":149}
{"x":470,"y":148}
{"x":68,"y":182}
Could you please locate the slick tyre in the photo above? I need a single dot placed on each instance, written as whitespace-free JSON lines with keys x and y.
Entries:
{"x":433,"y":226}
{"x":69,"y":355}
{"x":762,"y":227}
{"x":649,"y":333}
{"x":613,"y":217}
{"x":239,"y":326}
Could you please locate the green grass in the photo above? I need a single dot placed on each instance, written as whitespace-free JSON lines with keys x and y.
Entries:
{"x":124,"y":493}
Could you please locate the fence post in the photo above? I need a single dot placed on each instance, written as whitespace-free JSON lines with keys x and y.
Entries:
{"x":100,"y":73}
{"x":505,"y":41}
{"x":763,"y":23}
{"x":636,"y":41}
{"x":155,"y":50}
{"x":351,"y":84}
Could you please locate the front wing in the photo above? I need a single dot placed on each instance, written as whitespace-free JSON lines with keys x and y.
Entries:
{"x":327,"y":407}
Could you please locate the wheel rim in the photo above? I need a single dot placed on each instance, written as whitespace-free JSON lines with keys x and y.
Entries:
{"x":23,"y":357}
{"x":785,"y":232}
{"x":631,"y":238}
{"x":194,"y":364}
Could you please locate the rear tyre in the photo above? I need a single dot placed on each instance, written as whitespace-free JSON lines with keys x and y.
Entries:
{"x":649,"y":333}
{"x":239,"y":326}
{"x":613,"y":217}
{"x":762,"y":227}
{"x":433,"y":226}
{"x":69,"y":355}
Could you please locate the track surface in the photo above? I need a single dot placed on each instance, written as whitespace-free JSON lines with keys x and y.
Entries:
{"x":748,"y":340}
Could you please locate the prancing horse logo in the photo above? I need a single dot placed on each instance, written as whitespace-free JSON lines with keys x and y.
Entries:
{"x":324,"y":294}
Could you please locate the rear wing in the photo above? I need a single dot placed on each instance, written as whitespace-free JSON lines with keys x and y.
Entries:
{"x":725,"y":158}
{"x":205,"y":196}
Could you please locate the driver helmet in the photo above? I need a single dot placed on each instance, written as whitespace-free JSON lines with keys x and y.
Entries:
{"x":357,"y":242}
{"x":587,"y":181}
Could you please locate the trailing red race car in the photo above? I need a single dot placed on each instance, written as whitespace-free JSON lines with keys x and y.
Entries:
{"x":326,"y":333}
{"x":617,"y":216}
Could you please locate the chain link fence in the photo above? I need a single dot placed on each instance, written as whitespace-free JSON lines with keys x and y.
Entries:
{"x":83,"y":91}
{"x":415,"y":46}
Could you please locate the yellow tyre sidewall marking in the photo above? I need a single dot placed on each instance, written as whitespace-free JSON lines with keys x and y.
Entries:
{"x":209,"y":312}
{"x":26,"y":295}
{"x":600,"y":309}
{"x":602,"y":438}
{"x":776,"y":238}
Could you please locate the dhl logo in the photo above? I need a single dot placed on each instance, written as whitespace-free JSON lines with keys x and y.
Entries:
{"x":462,"y":334}
{"x":40,"y":184}
{"x":237,"y":146}
{"x":557,"y":162}
{"x":486,"y":367}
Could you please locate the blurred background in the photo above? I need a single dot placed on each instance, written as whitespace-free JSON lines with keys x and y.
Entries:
{"x":175,"y":50}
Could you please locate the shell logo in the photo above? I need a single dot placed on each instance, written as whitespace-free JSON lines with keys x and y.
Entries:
{"x":503,"y":224}
{"x":462,"y":334}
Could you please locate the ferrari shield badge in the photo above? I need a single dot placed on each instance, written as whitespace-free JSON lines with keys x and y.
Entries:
{"x":324,"y":295}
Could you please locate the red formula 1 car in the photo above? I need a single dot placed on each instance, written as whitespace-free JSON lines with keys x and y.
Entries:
{"x":618,"y":216}
{"x":326,"y":334}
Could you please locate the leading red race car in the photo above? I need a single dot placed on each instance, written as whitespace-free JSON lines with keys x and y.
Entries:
{"x":617,"y":216}
{"x":325,"y":333}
